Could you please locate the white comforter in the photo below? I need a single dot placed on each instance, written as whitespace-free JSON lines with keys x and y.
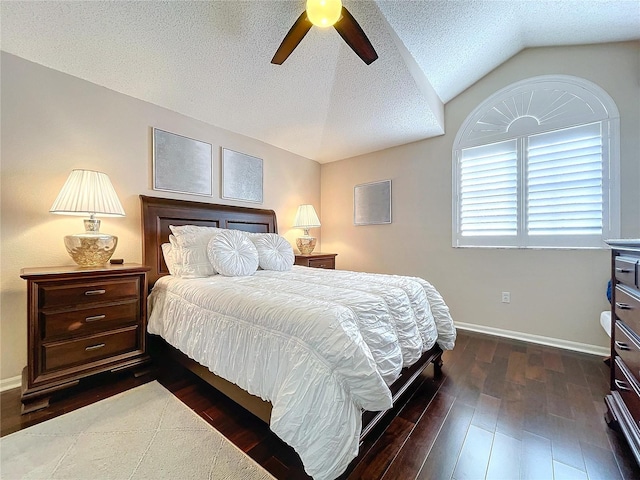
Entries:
{"x":320,"y":345}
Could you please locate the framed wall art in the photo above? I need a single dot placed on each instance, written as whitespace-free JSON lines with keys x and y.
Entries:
{"x":372,"y":203}
{"x":181,"y":164}
{"x":241,"y":177}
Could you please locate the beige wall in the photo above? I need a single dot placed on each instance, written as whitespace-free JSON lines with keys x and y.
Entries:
{"x":52,"y":123}
{"x":554,"y":293}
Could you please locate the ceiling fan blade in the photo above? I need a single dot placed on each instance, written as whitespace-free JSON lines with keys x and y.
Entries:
{"x":292,"y":39}
{"x":355,"y":37}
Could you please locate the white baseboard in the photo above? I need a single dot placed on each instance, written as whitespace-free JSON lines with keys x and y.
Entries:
{"x":539,"y":339}
{"x":9,"y":383}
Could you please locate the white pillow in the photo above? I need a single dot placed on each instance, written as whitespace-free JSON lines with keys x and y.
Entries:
{"x":187,"y":235}
{"x":169,"y":258}
{"x":177,"y":256}
{"x":233,"y":254}
{"x":274,"y":251}
{"x":190,"y":247}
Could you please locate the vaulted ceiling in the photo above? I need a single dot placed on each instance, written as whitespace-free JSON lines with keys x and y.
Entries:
{"x":211,"y":60}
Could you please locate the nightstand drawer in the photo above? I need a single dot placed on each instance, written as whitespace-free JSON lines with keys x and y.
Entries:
{"x":79,"y":293}
{"x":627,"y":307}
{"x":323,"y":263}
{"x":316,"y":260}
{"x":85,"y":350}
{"x":89,"y":320}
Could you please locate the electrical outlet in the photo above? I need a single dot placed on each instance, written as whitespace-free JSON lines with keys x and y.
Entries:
{"x":506,"y":297}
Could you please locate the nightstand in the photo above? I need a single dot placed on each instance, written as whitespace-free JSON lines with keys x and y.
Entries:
{"x":81,"y":321}
{"x":317,"y":260}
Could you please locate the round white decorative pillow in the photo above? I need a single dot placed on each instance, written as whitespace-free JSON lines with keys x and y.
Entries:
{"x":274,"y":252}
{"x":232,"y":254}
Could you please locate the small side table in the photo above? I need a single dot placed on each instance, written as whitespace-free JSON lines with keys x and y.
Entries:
{"x":317,"y":260}
{"x":81,"y":321}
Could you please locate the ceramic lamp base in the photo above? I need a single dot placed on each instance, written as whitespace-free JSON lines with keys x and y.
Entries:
{"x":91,"y":249}
{"x":306,"y":244}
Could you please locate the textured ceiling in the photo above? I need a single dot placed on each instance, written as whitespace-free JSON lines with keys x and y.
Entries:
{"x":211,"y":60}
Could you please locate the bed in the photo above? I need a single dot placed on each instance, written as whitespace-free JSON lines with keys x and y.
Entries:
{"x":327,"y":450}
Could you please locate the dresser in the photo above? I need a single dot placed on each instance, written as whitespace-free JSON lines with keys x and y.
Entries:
{"x":317,"y":260}
{"x":81,"y":321}
{"x":623,"y":403}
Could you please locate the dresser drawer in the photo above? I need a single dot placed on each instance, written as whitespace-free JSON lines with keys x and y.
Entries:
{"x":85,"y":350}
{"x":329,"y":263}
{"x":627,"y":307}
{"x":626,"y":270}
{"x":81,"y":293}
{"x":88,"y":320}
{"x":627,"y":347}
{"x":628,"y":389}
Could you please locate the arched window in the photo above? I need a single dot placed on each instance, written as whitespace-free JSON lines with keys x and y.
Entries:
{"x":536,"y":165}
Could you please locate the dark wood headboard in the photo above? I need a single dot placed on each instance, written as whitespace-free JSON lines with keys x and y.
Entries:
{"x":159,"y":213}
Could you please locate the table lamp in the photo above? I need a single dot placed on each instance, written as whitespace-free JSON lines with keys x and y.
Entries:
{"x":306,"y":218}
{"x":87,"y":192}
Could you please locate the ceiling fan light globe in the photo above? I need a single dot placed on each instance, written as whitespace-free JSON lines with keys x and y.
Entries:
{"x":324,"y":13}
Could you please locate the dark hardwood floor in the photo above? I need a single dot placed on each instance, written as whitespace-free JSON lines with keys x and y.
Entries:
{"x":502,"y":409}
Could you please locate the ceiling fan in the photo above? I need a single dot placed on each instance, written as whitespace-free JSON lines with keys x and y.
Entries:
{"x":325,"y":13}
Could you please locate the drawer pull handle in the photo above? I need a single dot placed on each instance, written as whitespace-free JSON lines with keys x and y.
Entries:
{"x":623,"y":270}
{"x":622,"y":385}
{"x":622,"y":345}
{"x":95,"y":292}
{"x":95,"y":347}
{"x":624,"y":306}
{"x":95,"y":318}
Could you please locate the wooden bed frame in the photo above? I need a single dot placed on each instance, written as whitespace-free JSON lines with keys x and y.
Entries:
{"x":159,"y":213}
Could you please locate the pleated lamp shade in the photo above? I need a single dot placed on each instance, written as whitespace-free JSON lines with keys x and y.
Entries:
{"x":306,"y":217}
{"x":87,"y":192}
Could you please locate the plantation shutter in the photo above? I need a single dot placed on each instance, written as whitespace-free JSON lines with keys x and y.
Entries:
{"x":536,"y":165}
{"x":489,"y":190}
{"x":565,"y":182}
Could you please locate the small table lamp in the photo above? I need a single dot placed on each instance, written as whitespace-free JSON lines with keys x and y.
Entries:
{"x":306,"y":218}
{"x":89,"y":193}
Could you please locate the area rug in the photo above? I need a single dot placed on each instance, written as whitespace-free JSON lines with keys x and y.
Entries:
{"x":143,"y":433}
